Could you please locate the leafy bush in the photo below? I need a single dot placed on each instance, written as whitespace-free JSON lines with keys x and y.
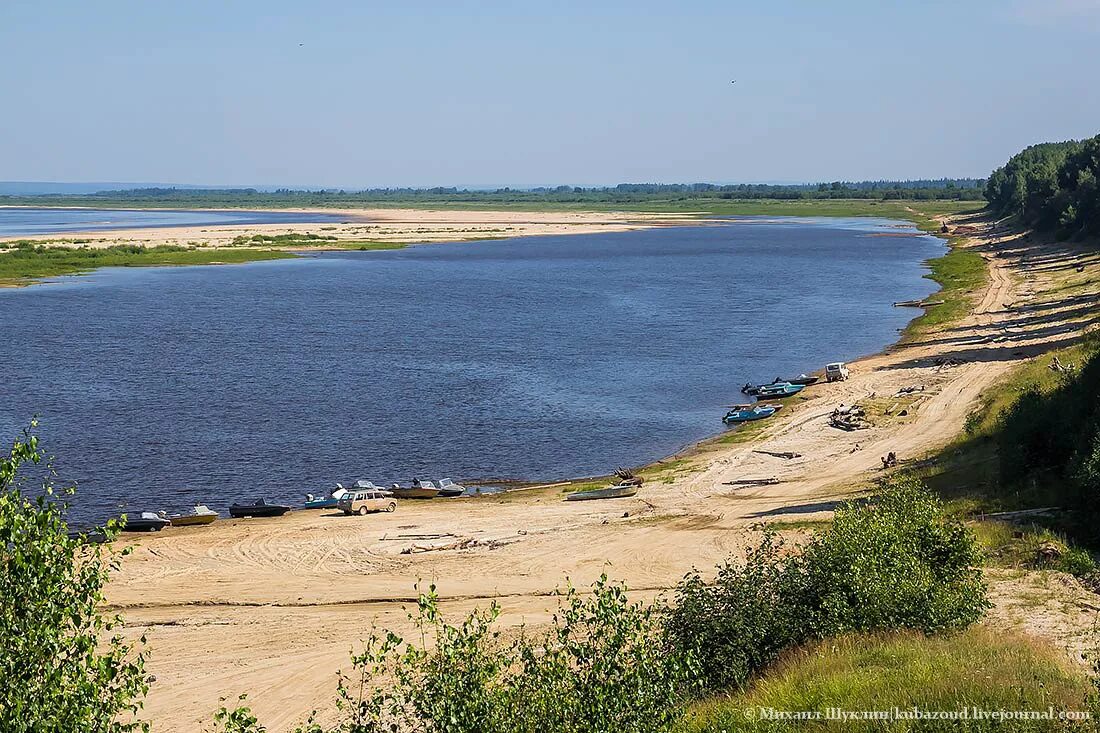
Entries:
{"x":740,"y":622}
{"x":894,"y":563}
{"x":63,"y":666}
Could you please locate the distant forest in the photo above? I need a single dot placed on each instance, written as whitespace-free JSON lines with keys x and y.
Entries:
{"x":1052,"y":187}
{"x":956,"y":189}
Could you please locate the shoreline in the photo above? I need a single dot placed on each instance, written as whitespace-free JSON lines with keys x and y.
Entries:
{"x":238,"y":596}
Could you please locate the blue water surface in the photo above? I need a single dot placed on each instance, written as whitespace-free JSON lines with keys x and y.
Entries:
{"x":533,"y":358}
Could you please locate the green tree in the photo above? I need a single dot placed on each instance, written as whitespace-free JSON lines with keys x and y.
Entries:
{"x":63,"y":665}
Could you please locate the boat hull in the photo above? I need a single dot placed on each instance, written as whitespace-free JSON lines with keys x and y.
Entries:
{"x":612,"y":492}
{"x":409,"y":493}
{"x":748,"y":416}
{"x":238,"y":511}
{"x":193,"y":520}
{"x":145,"y":525}
{"x":778,"y":394}
{"x":321,"y":504}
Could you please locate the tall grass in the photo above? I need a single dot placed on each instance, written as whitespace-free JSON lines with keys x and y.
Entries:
{"x":978,"y":668}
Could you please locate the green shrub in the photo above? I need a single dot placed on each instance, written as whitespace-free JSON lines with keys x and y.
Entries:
{"x":63,"y":666}
{"x":740,"y":622}
{"x":896,"y":562}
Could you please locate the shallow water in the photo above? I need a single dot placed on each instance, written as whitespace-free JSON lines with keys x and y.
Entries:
{"x":534,"y":358}
{"x":32,"y":221}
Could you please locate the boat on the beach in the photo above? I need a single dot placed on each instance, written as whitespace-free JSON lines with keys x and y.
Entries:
{"x":201,"y":514}
{"x":330,"y":501}
{"x":418,"y":490}
{"x":258,"y":508}
{"x":748,"y":413}
{"x":448,"y":488}
{"x":147,"y":522}
{"x":777,"y":391}
{"x":620,"y":490}
{"x":93,"y":536}
{"x":804,"y":379}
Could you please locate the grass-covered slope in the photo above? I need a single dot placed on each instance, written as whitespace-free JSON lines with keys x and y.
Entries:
{"x":977,"y":669}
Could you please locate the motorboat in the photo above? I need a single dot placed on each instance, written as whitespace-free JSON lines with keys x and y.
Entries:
{"x":748,"y":413}
{"x":200,"y":515}
{"x":448,"y":488}
{"x":330,"y":501}
{"x":258,"y":508}
{"x":417,"y":490}
{"x":145,"y":522}
{"x":777,"y":391}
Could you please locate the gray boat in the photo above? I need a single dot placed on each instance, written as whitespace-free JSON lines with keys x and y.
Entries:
{"x":620,"y":490}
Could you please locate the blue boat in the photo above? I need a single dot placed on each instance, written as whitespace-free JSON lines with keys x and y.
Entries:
{"x":325,"y":502}
{"x":777,"y":391}
{"x":747,"y":413}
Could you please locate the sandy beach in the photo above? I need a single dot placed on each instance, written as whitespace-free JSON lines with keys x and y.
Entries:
{"x":272,"y":608}
{"x":383,"y":225}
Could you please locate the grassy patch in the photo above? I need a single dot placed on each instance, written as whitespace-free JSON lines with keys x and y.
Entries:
{"x":960,"y":273}
{"x":976,"y":668}
{"x":27,"y":261}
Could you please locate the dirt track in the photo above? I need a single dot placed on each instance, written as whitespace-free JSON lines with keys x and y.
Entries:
{"x":272,"y":607}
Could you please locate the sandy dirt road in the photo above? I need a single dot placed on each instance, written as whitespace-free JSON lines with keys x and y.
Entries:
{"x":273,"y":607}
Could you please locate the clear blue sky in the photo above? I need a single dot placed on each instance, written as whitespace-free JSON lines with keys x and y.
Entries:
{"x":471,"y":93}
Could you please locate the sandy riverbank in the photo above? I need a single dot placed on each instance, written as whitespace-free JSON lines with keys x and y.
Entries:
{"x":384,"y":225}
{"x":273,"y":607}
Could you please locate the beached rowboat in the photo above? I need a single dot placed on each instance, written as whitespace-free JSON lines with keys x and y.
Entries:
{"x":618,"y":491}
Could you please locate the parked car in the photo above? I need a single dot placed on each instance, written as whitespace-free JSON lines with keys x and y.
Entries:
{"x":365,"y":502}
{"x":836,"y":372}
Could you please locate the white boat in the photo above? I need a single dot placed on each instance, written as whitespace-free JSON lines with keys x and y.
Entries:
{"x":448,"y":488}
{"x":201,"y":514}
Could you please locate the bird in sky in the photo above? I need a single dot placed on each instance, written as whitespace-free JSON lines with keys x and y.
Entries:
{"x":733,"y":82}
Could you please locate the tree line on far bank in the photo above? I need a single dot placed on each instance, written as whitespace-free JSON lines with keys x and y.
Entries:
{"x":623,"y":194}
{"x":1051,"y":187}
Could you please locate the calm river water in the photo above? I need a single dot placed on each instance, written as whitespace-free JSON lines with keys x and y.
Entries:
{"x":533,"y":358}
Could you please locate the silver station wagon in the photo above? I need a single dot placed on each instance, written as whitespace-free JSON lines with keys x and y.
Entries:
{"x":365,"y":502}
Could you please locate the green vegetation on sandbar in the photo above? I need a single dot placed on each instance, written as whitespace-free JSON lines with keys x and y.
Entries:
{"x":26,"y":261}
{"x":960,"y":274}
{"x":297,"y":239}
{"x":976,"y":668}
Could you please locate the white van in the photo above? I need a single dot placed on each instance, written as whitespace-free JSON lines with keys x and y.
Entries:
{"x":836,"y":372}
